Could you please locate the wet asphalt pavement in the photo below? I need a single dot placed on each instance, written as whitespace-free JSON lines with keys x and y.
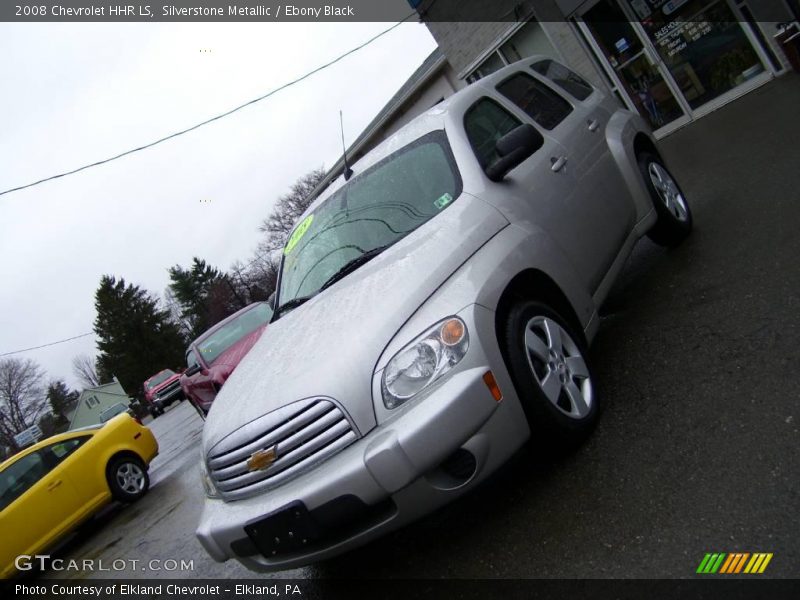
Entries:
{"x":698,"y":449}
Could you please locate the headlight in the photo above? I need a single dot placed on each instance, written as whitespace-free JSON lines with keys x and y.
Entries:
{"x":208,"y":485}
{"x":424,"y":360}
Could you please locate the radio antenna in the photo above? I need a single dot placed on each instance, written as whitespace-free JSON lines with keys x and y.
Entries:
{"x":348,"y":172}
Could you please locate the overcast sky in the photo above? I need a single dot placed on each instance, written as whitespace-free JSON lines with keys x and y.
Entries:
{"x":77,"y":93}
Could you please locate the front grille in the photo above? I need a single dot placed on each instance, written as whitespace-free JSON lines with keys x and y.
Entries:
{"x":303,"y":434}
{"x":172,"y":387}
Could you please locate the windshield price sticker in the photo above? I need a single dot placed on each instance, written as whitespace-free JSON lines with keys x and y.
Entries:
{"x":443,"y":201}
{"x":298,"y":234}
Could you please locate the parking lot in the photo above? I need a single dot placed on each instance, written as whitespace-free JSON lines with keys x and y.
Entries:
{"x":699,"y":446}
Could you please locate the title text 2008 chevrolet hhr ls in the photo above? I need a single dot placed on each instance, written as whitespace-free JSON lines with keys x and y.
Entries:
{"x":432,"y":314}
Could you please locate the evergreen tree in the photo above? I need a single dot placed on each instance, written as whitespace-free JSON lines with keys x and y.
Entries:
{"x":136,"y":337}
{"x":204,"y":294}
{"x":61,"y":399}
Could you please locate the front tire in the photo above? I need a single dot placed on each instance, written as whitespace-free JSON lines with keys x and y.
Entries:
{"x":674,"y":216}
{"x":549,"y":367}
{"x":128,"y":479}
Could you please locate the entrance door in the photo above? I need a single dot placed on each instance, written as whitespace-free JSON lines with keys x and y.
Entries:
{"x":674,"y":60}
{"x":634,"y":64}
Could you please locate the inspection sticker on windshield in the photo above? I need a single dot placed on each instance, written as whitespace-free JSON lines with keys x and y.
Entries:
{"x":298,"y":233}
{"x":443,"y":200}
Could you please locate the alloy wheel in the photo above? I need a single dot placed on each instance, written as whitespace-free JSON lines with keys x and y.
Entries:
{"x":668,"y":191}
{"x":558,"y":367}
{"x":130,"y":478}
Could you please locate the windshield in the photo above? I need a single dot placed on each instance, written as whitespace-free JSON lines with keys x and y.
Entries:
{"x":373,"y":210}
{"x":230,"y":333}
{"x":160,"y":378}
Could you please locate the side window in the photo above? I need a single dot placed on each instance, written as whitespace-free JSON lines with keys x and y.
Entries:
{"x":56,"y":453}
{"x":486,"y":122}
{"x":541,"y":103}
{"x":19,"y":477}
{"x":191,"y":359}
{"x":570,"y":82}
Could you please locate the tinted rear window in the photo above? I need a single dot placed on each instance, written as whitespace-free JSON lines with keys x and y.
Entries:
{"x":570,"y":82}
{"x":540,"y":103}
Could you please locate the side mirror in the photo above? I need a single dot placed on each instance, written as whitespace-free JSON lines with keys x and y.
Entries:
{"x":513,"y":148}
{"x":193,"y":370}
{"x":271,"y":300}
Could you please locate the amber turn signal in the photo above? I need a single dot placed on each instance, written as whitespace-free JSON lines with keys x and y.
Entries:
{"x":452,"y":332}
{"x":489,"y":380}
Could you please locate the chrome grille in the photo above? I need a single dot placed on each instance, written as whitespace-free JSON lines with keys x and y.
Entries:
{"x":302,"y":434}
{"x":164,"y":392}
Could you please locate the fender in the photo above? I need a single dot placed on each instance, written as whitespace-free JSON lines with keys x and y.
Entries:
{"x":620,"y":132}
{"x":484,"y":277}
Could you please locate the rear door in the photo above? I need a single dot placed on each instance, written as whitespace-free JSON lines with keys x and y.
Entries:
{"x":591,"y":221}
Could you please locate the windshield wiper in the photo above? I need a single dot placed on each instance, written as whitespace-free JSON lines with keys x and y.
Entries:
{"x":293,"y":303}
{"x":348,"y":267}
{"x":352,"y":265}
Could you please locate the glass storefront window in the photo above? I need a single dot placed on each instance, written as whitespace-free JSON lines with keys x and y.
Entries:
{"x":702,"y":45}
{"x":626,"y":54}
{"x":528,"y":41}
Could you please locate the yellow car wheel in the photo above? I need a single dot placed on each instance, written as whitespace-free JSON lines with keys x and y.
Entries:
{"x":127,"y":478}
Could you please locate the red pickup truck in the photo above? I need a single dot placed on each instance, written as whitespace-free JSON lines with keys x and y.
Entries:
{"x":161,"y":390}
{"x":213,"y":356}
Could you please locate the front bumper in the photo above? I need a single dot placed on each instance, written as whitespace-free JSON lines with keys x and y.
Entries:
{"x":399,"y":471}
{"x":168,"y":397}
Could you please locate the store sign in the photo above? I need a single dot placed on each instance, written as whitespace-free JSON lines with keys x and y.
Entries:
{"x":29,"y":436}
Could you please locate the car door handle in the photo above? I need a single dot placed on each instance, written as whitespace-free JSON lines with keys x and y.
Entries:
{"x":54,"y":485}
{"x":556,"y":164}
{"x":593,"y":124}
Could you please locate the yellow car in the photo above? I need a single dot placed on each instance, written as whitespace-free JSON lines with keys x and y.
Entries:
{"x":50,"y":488}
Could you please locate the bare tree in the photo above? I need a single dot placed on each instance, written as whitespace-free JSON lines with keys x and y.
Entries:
{"x":288,"y":208}
{"x":22,"y":397}
{"x":83,"y":366}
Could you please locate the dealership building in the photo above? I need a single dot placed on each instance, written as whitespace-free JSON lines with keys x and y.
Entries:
{"x":672,"y":61}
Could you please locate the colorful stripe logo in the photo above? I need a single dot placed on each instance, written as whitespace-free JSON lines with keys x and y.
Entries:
{"x":734,"y":563}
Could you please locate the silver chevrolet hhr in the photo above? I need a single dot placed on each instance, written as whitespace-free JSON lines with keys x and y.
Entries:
{"x":432,"y":314}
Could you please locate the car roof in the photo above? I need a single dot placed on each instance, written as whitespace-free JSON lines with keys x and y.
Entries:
{"x":433,"y":119}
{"x":224,"y":322}
{"x":59,"y":437}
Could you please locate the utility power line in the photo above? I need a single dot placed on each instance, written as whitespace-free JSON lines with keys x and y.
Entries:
{"x":46,"y":345}
{"x":212,"y":119}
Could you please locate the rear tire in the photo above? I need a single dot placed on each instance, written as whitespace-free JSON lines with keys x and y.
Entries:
{"x":127,"y":478}
{"x":548,"y":364}
{"x":674,"y":215}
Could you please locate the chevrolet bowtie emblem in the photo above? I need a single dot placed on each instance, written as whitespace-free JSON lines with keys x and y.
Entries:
{"x":262,"y":459}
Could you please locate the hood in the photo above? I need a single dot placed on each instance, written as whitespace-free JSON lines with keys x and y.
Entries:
{"x":330,"y":345}
{"x":232,"y":356}
{"x":152,"y":392}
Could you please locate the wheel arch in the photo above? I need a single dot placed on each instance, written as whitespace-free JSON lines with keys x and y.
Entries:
{"x":644,"y":144}
{"x":122,"y":454}
{"x":534,"y":284}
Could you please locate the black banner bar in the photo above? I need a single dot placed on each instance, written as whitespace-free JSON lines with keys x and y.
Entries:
{"x":280,"y":11}
{"x":709,"y":587}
